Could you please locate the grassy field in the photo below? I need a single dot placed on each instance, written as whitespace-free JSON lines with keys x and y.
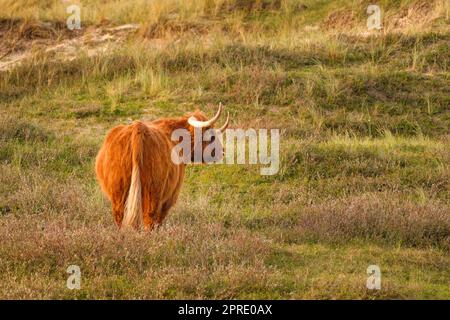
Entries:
{"x":364,"y":177}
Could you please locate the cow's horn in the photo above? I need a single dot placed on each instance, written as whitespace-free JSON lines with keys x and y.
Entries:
{"x":193,"y":121}
{"x":222,"y":128}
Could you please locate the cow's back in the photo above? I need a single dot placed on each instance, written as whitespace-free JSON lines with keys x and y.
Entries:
{"x":114,"y":162}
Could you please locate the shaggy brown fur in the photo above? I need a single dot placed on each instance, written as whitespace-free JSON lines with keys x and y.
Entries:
{"x":135,"y":170}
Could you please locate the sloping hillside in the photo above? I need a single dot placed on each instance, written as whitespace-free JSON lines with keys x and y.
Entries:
{"x":364,"y":177}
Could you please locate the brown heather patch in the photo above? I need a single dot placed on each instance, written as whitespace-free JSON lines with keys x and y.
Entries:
{"x":32,"y":193}
{"x":175,"y":261}
{"x":56,"y":241}
{"x":23,"y":131}
{"x":377,"y":217}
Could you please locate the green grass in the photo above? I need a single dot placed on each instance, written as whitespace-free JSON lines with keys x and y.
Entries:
{"x":364,"y":174}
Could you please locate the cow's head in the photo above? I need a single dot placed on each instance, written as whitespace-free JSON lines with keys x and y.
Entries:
{"x":198,"y":123}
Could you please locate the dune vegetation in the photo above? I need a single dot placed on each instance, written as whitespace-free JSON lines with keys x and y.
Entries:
{"x":364,"y":176}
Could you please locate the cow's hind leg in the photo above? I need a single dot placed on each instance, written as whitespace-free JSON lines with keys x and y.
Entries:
{"x":118,"y":210}
{"x":149,"y":221}
{"x":118,"y":199}
{"x":163,"y":212}
{"x":149,"y":212}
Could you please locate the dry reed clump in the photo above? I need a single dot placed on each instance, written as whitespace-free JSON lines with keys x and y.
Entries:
{"x":170,"y":29}
{"x":416,"y":15}
{"x":249,"y":6}
{"x":31,"y":29}
{"x":343,"y":19}
{"x":419,"y":15}
{"x":21,"y":36}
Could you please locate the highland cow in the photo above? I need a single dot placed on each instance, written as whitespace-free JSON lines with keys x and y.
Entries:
{"x":135,"y":170}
